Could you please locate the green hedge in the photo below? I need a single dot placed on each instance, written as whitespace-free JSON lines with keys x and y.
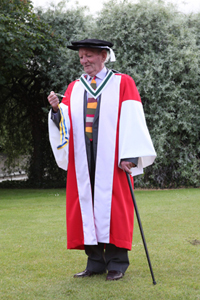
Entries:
{"x":153,"y":43}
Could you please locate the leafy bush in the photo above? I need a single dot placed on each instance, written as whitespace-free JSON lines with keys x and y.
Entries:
{"x":34,"y":60}
{"x":154,"y":44}
{"x":159,"y":50}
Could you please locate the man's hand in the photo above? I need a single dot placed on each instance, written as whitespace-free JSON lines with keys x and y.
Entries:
{"x":126,"y":166}
{"x":54,"y":101}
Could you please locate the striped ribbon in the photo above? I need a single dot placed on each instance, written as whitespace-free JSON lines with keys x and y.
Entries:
{"x":63,"y":130}
{"x":91,"y":108}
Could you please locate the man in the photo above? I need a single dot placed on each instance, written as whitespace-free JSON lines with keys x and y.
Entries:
{"x":102,"y":134}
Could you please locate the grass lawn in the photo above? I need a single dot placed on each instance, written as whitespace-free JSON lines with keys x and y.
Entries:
{"x":34,"y":262}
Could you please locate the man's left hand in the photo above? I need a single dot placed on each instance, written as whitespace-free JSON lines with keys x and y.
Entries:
{"x":126,"y":166}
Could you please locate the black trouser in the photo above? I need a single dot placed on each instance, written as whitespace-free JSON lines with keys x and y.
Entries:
{"x":110,"y":258}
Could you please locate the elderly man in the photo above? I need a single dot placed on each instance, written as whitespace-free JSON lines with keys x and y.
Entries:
{"x":98,"y":133}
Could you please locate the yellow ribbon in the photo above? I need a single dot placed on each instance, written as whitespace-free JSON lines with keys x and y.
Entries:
{"x":63,"y":130}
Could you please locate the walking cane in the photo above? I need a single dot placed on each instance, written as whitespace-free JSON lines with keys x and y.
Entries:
{"x":140,"y":226}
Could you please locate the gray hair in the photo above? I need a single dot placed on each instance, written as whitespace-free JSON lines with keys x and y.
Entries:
{"x":108,"y":56}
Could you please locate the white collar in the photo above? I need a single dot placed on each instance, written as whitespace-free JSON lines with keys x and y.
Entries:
{"x":97,"y":92}
{"x":101,"y":75}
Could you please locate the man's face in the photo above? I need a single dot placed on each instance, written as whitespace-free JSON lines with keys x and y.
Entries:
{"x":92,"y":60}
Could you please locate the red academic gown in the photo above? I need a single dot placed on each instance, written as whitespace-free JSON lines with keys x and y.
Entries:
{"x":122,"y":133}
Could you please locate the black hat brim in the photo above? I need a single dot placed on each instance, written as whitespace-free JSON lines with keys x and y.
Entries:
{"x":89,"y":43}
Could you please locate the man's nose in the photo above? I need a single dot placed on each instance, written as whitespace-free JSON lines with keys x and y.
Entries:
{"x":84,"y":59}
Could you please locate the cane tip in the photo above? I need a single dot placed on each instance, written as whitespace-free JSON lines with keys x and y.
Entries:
{"x":154,"y":282}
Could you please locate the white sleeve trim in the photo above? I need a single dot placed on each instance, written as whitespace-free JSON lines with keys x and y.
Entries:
{"x":134,"y":137}
{"x":61,"y":155}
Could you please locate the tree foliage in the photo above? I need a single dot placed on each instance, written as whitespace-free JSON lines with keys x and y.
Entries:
{"x":33,"y":55}
{"x":160,"y":51}
{"x":153,"y":43}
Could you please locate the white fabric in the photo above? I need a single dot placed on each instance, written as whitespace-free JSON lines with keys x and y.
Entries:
{"x":134,"y":137}
{"x":96,"y":93}
{"x":81,"y":165}
{"x":99,"y":77}
{"x":112,"y":54}
{"x":90,"y":119}
{"x":61,"y":155}
{"x":134,"y":141}
{"x":96,"y":224}
{"x":108,"y":117}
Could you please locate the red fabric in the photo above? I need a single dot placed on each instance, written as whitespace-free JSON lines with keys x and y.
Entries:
{"x":75,"y":238}
{"x":122,"y":210}
{"x":128,"y":89}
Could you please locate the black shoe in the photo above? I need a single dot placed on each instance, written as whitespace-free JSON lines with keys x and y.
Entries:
{"x":114,"y":275}
{"x":87,"y":273}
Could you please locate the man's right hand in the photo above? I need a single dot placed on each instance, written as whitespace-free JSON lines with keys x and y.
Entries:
{"x":53,"y":101}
